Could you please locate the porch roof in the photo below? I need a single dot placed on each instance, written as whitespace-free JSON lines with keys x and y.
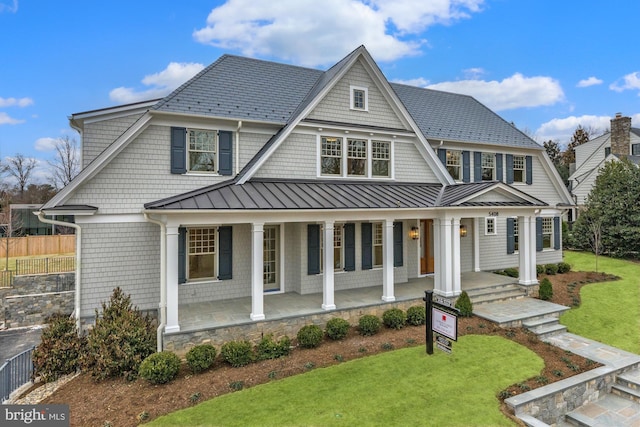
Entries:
{"x":261,"y":194}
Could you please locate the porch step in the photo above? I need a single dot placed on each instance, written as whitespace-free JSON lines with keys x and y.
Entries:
{"x":544,"y":327}
{"x":609,"y":410}
{"x":495,"y":293}
{"x":627,"y":385}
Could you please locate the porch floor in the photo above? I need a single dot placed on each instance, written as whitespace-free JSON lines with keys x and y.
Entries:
{"x":215,"y":314}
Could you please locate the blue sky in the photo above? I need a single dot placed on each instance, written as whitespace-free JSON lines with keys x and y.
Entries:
{"x":546,"y":65}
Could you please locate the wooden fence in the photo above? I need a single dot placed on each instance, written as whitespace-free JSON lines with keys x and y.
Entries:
{"x":38,"y":245}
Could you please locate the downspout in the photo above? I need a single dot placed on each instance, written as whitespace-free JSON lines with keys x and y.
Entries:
{"x":238,"y":146}
{"x":163,"y":279}
{"x":76,"y":308}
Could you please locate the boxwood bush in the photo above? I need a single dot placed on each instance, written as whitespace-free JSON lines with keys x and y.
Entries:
{"x":540,"y":269}
{"x":511,"y":272}
{"x":237,"y":353}
{"x":268,"y":348}
{"x":369,"y":324}
{"x":564,"y":267}
{"x":394,"y":318}
{"x":310,"y":336}
{"x":416,"y":315}
{"x":160,"y":368}
{"x":337,"y":328}
{"x":551,"y":269}
{"x":545,"y":291}
{"x":201,"y":357}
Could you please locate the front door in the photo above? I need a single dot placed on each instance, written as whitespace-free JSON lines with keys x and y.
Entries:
{"x":270,"y":253}
{"x":426,"y":246}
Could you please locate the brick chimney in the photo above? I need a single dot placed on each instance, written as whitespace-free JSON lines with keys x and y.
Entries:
{"x":621,"y":135}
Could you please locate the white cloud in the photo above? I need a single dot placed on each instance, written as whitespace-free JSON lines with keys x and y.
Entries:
{"x":629,"y":82}
{"x":419,"y":82}
{"x":161,"y":83}
{"x":9,"y":6}
{"x":473,"y":73}
{"x":562,"y":129}
{"x":312,"y":33}
{"x":513,"y":92}
{"x":46,"y":144}
{"x":15,"y":102}
{"x":591,"y":81}
{"x":6,"y":120}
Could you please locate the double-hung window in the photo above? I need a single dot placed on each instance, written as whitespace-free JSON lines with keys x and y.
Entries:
{"x":547,"y":233}
{"x":331,"y":156}
{"x":377,"y":244}
{"x":338,"y":248}
{"x":490,"y":226}
{"x":202,"y":146}
{"x":488,"y":167}
{"x":359,"y":98}
{"x":381,"y":158}
{"x":201,"y":253}
{"x":516,"y":232}
{"x":519,"y":171}
{"x":454,"y":164}
{"x":356,"y":157}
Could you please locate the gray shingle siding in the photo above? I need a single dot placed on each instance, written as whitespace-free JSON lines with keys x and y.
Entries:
{"x":99,"y":135}
{"x":295,"y":158}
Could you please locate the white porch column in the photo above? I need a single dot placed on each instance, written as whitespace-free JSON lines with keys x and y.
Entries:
{"x":387,"y":261}
{"x":456,"y":287}
{"x":172,"y":280}
{"x":527,"y":250}
{"x":476,"y":244}
{"x":257,"y":272}
{"x":327,"y":263}
{"x":443,"y":284}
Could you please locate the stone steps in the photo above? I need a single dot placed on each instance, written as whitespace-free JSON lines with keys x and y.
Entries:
{"x":545,"y":326}
{"x":496,"y":293}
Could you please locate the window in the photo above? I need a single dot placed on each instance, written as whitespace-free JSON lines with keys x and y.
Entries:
{"x":356,"y":157}
{"x":338,"y":260}
{"x":607,"y":151}
{"x":454,"y":164}
{"x":202,"y":150}
{"x":490,"y":226}
{"x":359,"y":98}
{"x":331,"y":156}
{"x":377,"y":244}
{"x":515,"y":235}
{"x":201,"y":244}
{"x":381,"y":157}
{"x":635,"y":149}
{"x":547,"y":233}
{"x":488,"y":166}
{"x":270,"y":249}
{"x":519,"y":172}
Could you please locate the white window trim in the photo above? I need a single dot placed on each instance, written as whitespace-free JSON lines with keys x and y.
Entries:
{"x":460,"y":166}
{"x":552,"y":234}
{"x":516,"y":233}
{"x":353,"y":88}
{"x":487,"y":220}
{"x":333,"y":247}
{"x":524,"y":170}
{"x":343,"y":169}
{"x":213,"y":278}
{"x":217,"y":156}
{"x":492,"y":156}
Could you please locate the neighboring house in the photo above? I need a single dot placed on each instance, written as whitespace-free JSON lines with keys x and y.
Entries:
{"x":232,"y":185}
{"x":622,"y":142}
{"x":21,"y":221}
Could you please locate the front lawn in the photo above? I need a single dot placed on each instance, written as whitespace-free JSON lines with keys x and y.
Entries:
{"x":404,"y":387}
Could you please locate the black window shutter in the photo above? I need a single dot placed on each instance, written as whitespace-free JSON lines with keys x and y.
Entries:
{"x":225,"y":152}
{"x":477,"y":166}
{"x":509,"y":168}
{"x":367,"y":246}
{"x":539,"y":234}
{"x":349,"y":247}
{"x":511,"y":238}
{"x":466,"y":167}
{"x":556,"y":232}
{"x":442,"y":155}
{"x":178,"y":150}
{"x":225,"y":254}
{"x":498,"y":167}
{"x":182,"y":255}
{"x":398,"y":257}
{"x":313,"y":249}
{"x":529,"y":166}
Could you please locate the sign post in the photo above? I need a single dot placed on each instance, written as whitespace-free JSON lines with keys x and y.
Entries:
{"x":442,"y":318}
{"x":428,"y":300}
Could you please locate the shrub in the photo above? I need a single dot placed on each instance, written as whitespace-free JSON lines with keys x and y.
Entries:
{"x":546,"y":290}
{"x":160,"y":368}
{"x":540,"y":269}
{"x":551,"y":269}
{"x":268,"y":348}
{"x":564,"y":267}
{"x":416,"y":315}
{"x":201,"y":357}
{"x":120,"y":340}
{"x":511,"y":272}
{"x":310,"y":336}
{"x":394,"y":318}
{"x":59,"y":350}
{"x":369,"y":324}
{"x":237,"y":353}
{"x":337,"y":328}
{"x":464,"y":304}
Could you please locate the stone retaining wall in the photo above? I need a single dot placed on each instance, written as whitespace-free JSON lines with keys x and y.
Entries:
{"x":32,"y":299}
{"x":181,"y":342}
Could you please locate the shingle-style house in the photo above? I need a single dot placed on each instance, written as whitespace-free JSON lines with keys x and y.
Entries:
{"x":257,"y":178}
{"x":622,"y":142}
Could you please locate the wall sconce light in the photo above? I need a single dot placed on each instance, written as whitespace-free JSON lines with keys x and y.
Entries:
{"x":414,"y":233}
{"x":463,"y":230}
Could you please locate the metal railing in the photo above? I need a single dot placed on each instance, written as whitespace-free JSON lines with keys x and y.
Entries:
{"x":45,"y":265}
{"x":6,"y":278}
{"x":15,"y":373}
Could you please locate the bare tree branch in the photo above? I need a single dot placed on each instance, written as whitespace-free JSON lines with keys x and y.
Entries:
{"x":20,"y":167}
{"x":66,"y":164}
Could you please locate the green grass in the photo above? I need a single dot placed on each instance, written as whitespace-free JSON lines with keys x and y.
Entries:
{"x":403,"y":387}
{"x":609,"y":311}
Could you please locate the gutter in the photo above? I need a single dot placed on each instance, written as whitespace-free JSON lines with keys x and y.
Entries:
{"x":76,"y":308}
{"x":163,"y":280}
{"x":238,"y":147}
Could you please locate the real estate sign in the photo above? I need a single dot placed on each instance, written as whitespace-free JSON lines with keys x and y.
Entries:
{"x":445,"y":323}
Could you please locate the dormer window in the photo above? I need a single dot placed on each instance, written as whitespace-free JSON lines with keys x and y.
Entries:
{"x":359,"y":98}
{"x":355,"y":157}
